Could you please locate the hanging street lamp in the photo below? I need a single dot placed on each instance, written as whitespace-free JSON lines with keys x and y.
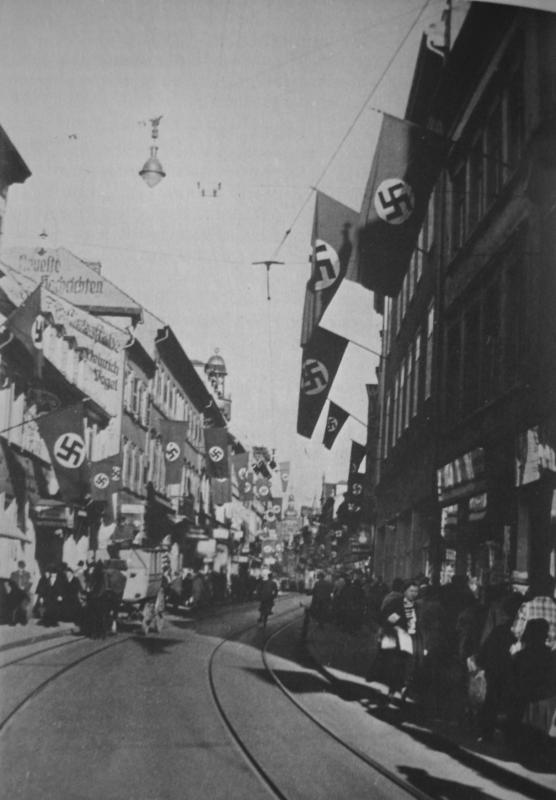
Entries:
{"x":152,"y":172}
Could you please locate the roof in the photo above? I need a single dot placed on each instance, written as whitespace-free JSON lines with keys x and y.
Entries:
{"x":13,"y":168}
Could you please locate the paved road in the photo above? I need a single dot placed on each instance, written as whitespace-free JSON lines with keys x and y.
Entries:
{"x":134,"y":717}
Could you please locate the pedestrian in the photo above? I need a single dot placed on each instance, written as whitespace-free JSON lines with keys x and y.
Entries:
{"x":321,"y":600}
{"x":267,"y":594}
{"x":395,"y":660}
{"x":20,"y":596}
{"x":47,"y":606}
{"x":495,"y":659}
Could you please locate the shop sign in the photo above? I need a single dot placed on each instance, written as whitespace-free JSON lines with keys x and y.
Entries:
{"x":458,"y":474}
{"x":69,"y":277}
{"x":535,"y":455}
{"x":448,"y":519}
{"x":477,"y":507}
{"x":101,"y":351}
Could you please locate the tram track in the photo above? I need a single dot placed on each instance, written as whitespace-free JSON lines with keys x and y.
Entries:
{"x":40,"y":687}
{"x":255,"y":762}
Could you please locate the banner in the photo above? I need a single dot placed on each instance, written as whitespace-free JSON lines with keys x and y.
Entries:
{"x":320,"y":362}
{"x":27,"y":324}
{"x":106,"y":481}
{"x":331,"y":250}
{"x":263,"y":490}
{"x":216,"y":445}
{"x":246,"y":488}
{"x":63,"y":433}
{"x":173,"y":434}
{"x":285,"y":475}
{"x":356,"y":457}
{"x":406,"y":165}
{"x":334,"y":423}
{"x":221,"y":489}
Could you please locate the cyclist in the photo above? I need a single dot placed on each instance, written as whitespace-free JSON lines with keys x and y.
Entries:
{"x":268,"y":591}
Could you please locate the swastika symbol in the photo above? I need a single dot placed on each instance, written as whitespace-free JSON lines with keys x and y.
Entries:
{"x":37,"y":331}
{"x":276,"y":508}
{"x":314,"y":376}
{"x":263,"y":490}
{"x":242,"y":473}
{"x":332,"y":424}
{"x":327,"y":265}
{"x":216,"y":453}
{"x":69,"y":450}
{"x":116,"y":473}
{"x":247,"y":487}
{"x":172,"y":451}
{"x":101,"y":480}
{"x":357,"y":488}
{"x":394,"y":201}
{"x":285,"y":476}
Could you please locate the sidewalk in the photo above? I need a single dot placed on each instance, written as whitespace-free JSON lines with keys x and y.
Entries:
{"x":21,"y":635}
{"x":345,"y":658}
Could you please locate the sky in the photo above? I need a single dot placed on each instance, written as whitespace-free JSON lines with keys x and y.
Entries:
{"x":265,"y":97}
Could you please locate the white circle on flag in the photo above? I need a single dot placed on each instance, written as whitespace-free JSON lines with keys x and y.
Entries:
{"x":327,"y":265}
{"x":276,"y":508}
{"x":242,"y":473}
{"x":394,"y":201}
{"x":264,"y":490}
{"x":314,"y":376}
{"x":69,"y":450}
{"x":332,"y":425}
{"x":216,"y":453}
{"x":37,"y":331}
{"x":247,"y":487}
{"x":285,"y":476}
{"x":101,"y":480}
{"x":172,"y":451}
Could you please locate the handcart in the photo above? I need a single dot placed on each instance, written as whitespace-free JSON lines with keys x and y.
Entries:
{"x":143,"y":596}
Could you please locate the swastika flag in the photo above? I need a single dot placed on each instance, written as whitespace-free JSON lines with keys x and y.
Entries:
{"x":216,"y":445}
{"x":331,"y":249}
{"x":406,"y":165}
{"x":63,"y":433}
{"x":173,"y":434}
{"x":320,"y":361}
{"x":106,"y":480}
{"x":334,"y":422}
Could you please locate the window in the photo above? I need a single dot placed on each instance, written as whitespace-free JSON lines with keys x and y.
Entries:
{"x":494,"y":155}
{"x":492,"y":344}
{"x":458,"y":208}
{"x":416,"y":374}
{"x":428,"y":352}
{"x":471,"y":359}
{"x":476,"y":184}
{"x":386,"y":425}
{"x":408,"y":387}
{"x":453,"y":365}
{"x":395,"y":410}
{"x":401,"y":400}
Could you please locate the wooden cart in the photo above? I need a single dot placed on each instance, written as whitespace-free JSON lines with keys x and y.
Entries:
{"x":143,"y":596}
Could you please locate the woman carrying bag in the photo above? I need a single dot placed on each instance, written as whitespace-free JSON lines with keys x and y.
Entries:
{"x":395,"y":660}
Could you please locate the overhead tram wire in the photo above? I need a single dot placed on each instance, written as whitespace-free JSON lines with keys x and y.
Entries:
{"x":352,"y":125}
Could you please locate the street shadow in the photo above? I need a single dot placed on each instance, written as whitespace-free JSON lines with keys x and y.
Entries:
{"x":441,"y":787}
{"x":295,"y":681}
{"x":401,"y":718}
{"x":155,"y":645}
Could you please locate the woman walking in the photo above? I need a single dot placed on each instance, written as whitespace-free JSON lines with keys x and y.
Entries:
{"x":396,"y":656}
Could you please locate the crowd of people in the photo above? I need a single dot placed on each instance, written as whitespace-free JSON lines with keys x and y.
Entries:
{"x":463,"y":656}
{"x":88,"y":596}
